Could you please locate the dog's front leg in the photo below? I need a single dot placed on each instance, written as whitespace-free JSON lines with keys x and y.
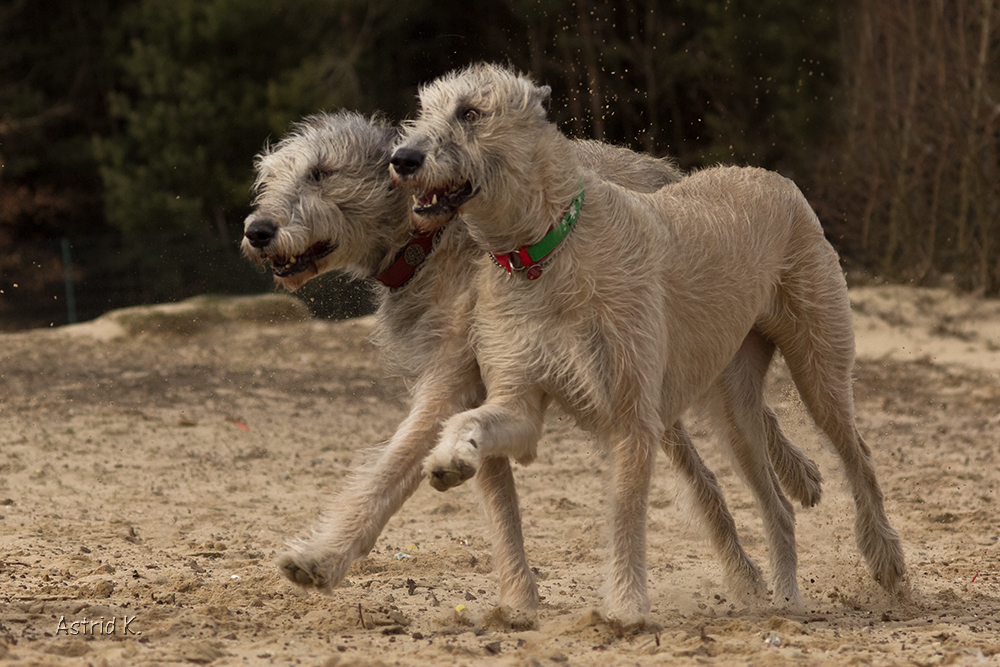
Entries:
{"x":508,"y":425}
{"x":518,"y":592}
{"x":356,"y":516}
{"x":625,"y":594}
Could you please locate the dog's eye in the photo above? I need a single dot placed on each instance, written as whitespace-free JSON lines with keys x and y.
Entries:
{"x":471,"y":115}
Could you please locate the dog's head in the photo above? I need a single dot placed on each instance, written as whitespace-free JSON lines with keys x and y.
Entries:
{"x":474,"y":142}
{"x":324,"y":200}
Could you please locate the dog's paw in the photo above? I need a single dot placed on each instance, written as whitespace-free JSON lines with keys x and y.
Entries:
{"x":455,"y":460}
{"x":308,"y":565}
{"x":788,"y":598}
{"x":886,"y":562}
{"x":627,"y":609}
{"x":633,"y":624}
{"x":301,"y":571}
{"x":882,"y":550}
{"x":444,"y":478}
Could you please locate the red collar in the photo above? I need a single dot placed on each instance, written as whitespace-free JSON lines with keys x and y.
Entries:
{"x":409,"y":259}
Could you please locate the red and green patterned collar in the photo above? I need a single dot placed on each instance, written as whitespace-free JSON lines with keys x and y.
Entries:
{"x":529,"y":258}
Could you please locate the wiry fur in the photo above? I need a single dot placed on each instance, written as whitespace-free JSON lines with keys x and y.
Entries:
{"x":653,"y":300}
{"x":327,"y":183}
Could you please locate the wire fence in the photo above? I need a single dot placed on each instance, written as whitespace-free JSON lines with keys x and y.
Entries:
{"x":62,"y":281}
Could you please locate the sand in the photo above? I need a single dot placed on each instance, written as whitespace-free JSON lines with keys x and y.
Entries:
{"x":153,"y":463}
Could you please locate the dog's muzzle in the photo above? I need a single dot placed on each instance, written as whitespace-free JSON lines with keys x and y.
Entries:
{"x":436,"y":205}
{"x":407,"y":161}
{"x":260,"y":233}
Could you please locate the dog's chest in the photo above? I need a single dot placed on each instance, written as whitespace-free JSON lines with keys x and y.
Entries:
{"x":566,"y":350}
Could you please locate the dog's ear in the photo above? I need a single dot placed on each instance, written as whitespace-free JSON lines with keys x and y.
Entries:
{"x":543,"y":95}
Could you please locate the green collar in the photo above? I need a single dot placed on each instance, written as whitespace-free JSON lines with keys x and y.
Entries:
{"x":528,"y":258}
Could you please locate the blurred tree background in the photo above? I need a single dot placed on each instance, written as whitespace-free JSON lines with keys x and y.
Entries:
{"x":128,"y":127}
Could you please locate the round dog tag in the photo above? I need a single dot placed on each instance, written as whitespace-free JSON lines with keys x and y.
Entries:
{"x":414,"y":255}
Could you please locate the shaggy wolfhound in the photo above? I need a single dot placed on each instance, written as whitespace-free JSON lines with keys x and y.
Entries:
{"x":626,"y":307}
{"x":325,"y":202}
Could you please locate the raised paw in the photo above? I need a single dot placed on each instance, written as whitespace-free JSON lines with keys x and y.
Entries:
{"x":443,"y":478}
{"x":455,"y":459}
{"x":809,"y":487}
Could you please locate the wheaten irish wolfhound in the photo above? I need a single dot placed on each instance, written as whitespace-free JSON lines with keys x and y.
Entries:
{"x":325,"y":202}
{"x":626,"y":307}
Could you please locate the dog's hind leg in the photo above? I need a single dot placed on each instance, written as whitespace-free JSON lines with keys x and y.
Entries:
{"x":814,"y":333}
{"x":799,"y":475}
{"x":740,"y":415}
{"x":495,"y":480}
{"x":742,"y":573}
{"x":833,"y":410}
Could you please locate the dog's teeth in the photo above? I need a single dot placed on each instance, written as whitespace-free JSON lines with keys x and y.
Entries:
{"x":434,"y":200}
{"x":292,"y":260}
{"x":415,"y":200}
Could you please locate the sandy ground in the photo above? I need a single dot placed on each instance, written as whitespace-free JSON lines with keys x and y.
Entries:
{"x":151,"y":469}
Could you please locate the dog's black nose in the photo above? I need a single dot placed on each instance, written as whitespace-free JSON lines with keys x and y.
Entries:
{"x":260,"y":232}
{"x":407,"y":161}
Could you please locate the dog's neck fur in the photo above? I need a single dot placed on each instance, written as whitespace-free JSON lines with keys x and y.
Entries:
{"x":395,"y":233}
{"x":432,"y":309}
{"x":503,"y":224}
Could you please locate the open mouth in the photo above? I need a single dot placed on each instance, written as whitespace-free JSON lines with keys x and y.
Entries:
{"x":283,"y":268}
{"x":442,"y":201}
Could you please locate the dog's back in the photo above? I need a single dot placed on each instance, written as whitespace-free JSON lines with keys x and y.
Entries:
{"x":636,"y":172}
